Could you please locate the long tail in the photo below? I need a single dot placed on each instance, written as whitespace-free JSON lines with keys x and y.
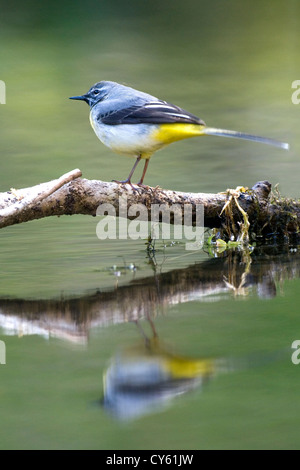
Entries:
{"x":241,"y":135}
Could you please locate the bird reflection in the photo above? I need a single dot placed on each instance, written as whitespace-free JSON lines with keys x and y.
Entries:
{"x":148,"y":376}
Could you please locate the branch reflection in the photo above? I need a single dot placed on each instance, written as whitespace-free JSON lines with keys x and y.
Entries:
{"x":215,"y":279}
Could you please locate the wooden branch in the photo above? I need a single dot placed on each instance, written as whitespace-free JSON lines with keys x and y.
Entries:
{"x":69,"y":195}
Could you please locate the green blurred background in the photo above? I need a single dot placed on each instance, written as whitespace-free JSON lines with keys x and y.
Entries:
{"x":231,"y":63}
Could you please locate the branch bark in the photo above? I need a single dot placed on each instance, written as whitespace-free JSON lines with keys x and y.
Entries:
{"x":69,"y":195}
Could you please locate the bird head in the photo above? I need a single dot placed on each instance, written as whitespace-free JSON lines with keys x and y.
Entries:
{"x":96,"y":93}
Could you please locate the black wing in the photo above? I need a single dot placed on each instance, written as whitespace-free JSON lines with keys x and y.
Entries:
{"x":154,"y":112}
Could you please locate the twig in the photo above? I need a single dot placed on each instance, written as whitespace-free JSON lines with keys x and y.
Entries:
{"x":37,"y":193}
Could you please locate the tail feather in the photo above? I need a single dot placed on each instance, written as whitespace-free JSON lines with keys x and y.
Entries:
{"x":241,"y":135}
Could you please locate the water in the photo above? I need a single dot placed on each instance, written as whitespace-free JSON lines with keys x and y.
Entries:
{"x":92,"y":327}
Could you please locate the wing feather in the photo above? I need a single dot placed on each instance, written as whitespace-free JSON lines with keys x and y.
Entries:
{"x":153,"y":112}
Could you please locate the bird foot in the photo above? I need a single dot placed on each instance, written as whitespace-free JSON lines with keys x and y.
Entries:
{"x":144,"y":186}
{"x":126,"y":182}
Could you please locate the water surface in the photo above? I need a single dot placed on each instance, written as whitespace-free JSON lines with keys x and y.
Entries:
{"x":219,"y":328}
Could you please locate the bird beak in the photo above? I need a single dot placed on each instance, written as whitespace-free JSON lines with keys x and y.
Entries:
{"x":81,"y":98}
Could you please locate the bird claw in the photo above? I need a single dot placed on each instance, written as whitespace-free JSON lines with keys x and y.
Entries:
{"x":144,"y":186}
{"x":126,"y":182}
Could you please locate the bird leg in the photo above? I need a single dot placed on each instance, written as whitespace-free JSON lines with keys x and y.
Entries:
{"x":140,"y":183}
{"x":128,"y":180}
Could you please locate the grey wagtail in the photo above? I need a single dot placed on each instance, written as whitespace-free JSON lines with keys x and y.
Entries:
{"x":134,"y":123}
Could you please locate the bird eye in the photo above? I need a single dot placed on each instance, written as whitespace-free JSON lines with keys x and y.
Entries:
{"x":96,"y":92}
